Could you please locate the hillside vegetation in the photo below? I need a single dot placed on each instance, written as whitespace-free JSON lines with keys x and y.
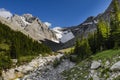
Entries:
{"x":15,"y":45}
{"x":82,"y":70}
{"x":107,"y":36}
{"x":101,"y":49}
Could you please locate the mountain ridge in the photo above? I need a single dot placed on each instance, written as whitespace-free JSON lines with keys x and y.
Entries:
{"x":89,"y":25}
{"x":30,"y":26}
{"x":36,"y":29}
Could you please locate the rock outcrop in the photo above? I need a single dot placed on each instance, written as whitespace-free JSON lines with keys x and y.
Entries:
{"x":95,"y":65}
{"x":37,"y":63}
{"x":49,"y":72}
{"x":116,"y":66}
{"x":40,"y":68}
{"x":30,"y":26}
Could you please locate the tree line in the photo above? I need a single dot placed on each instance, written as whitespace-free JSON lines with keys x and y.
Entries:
{"x":19,"y":44}
{"x":107,"y":36}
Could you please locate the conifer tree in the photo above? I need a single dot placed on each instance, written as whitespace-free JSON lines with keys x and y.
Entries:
{"x":82,"y":49}
{"x":103,"y":32}
{"x":13,"y":53}
{"x":76,"y":50}
{"x":92,"y":39}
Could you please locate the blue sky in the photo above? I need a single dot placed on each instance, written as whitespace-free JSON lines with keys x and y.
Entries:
{"x":61,"y":13}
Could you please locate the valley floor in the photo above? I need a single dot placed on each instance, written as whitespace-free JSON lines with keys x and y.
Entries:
{"x":40,"y":68}
{"x":102,"y":66}
{"x":49,"y":72}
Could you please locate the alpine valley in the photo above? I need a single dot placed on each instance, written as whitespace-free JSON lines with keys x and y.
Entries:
{"x":31,"y":50}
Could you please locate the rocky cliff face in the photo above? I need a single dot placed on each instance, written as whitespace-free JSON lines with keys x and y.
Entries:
{"x":29,"y":25}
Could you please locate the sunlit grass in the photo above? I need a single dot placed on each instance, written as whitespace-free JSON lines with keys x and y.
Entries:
{"x":4,"y":46}
{"x":108,"y":54}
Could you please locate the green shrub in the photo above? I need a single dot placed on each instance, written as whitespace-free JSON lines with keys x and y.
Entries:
{"x":56,"y":62}
{"x":5,"y":61}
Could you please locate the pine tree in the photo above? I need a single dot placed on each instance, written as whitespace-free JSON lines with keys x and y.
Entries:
{"x":92,"y":39}
{"x":82,"y":49}
{"x":13,"y":53}
{"x":103,"y":32}
{"x":76,"y":50}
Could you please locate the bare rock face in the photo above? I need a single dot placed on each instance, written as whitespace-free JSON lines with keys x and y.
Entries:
{"x":88,"y":26}
{"x":30,"y":25}
{"x":29,"y":18}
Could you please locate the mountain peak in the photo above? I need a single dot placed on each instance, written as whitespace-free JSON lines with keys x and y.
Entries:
{"x":29,"y":18}
{"x":27,"y":15}
{"x":30,"y":25}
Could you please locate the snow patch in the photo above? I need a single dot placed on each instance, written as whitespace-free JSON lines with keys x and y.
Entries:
{"x":25,"y":22}
{"x":66,"y":36}
{"x":57,"y":29}
{"x":48,"y":24}
{"x":58,"y":32}
{"x":88,"y":23}
{"x":76,"y":29}
{"x":57,"y":41}
{"x":63,"y":36}
{"x":95,"y":21}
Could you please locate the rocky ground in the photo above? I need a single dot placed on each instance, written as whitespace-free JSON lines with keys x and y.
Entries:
{"x":22,"y":70}
{"x":102,"y":66}
{"x":40,"y":68}
{"x":49,"y":72}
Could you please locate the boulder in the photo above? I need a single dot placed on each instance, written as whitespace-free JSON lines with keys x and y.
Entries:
{"x":95,"y":65}
{"x":8,"y":75}
{"x":107,"y":63}
{"x":116,"y":66}
{"x":95,"y":77}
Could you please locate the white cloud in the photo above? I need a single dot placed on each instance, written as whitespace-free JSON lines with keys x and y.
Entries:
{"x":5,"y":13}
{"x":48,"y":24}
